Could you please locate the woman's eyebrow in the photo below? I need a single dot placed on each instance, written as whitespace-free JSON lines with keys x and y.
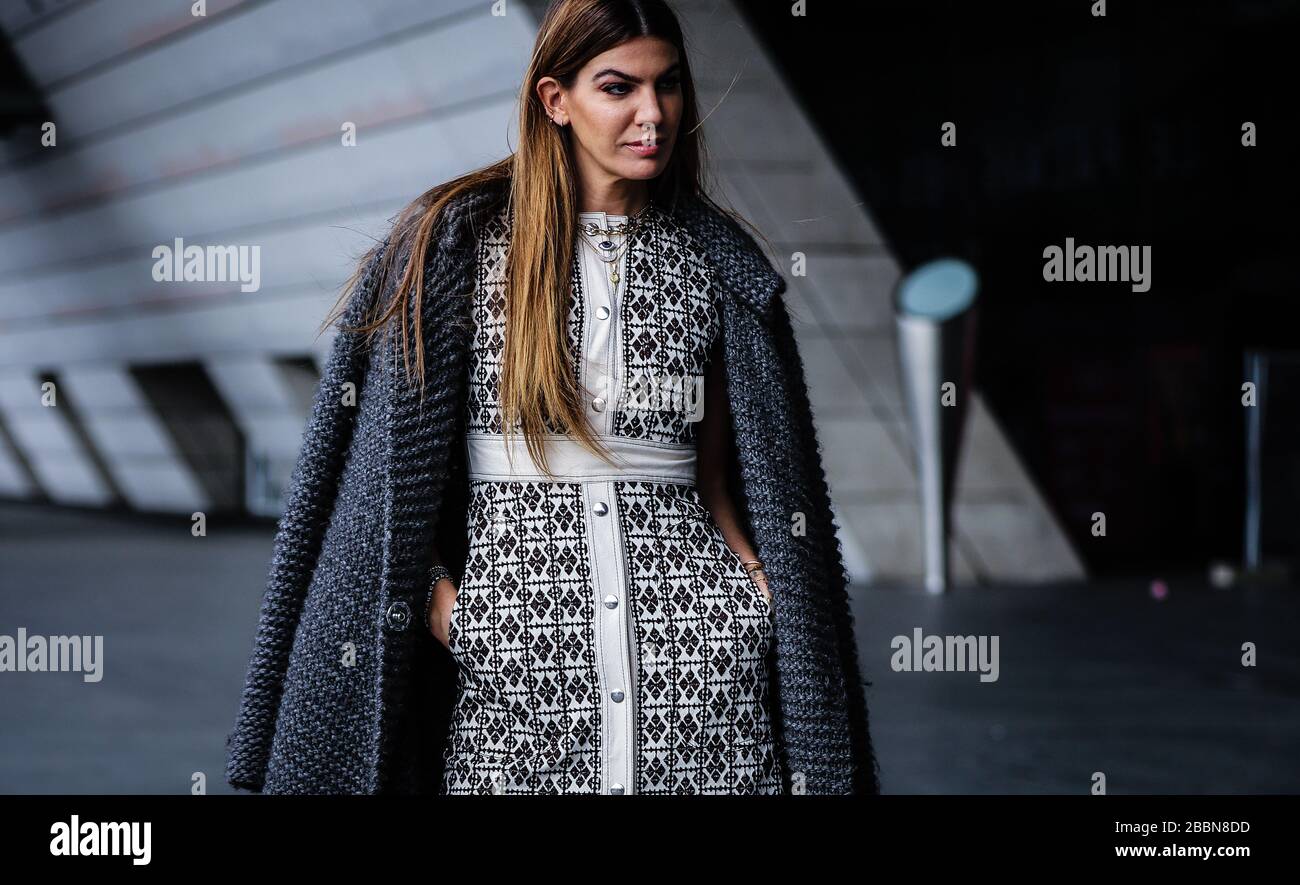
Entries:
{"x":616,"y":72}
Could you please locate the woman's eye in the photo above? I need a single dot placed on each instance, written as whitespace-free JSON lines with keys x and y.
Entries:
{"x":664,"y":84}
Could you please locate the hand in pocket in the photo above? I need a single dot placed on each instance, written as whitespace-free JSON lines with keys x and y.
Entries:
{"x":761,"y":580}
{"x":444,"y":602}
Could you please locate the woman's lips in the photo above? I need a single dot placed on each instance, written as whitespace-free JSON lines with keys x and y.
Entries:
{"x":643,"y":150}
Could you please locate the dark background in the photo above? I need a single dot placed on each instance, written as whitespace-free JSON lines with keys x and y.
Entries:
{"x":1122,"y":130}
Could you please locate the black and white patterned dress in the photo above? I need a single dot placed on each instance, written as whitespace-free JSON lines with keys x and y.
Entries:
{"x":607,"y":639}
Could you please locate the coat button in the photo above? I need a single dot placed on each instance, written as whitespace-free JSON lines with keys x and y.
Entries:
{"x":598,"y":404}
{"x":616,"y":789}
{"x":602,"y":312}
{"x":601,"y":508}
{"x":617,"y":696}
{"x":398,"y":615}
{"x":611,"y":601}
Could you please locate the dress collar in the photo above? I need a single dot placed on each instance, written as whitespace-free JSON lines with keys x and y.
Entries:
{"x":741,"y":266}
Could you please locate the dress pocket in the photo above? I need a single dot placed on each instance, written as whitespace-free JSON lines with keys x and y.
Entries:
{"x":520,"y":769}
{"x":768,"y":605}
{"x":757,"y":771}
{"x":723,"y":549}
{"x":739,"y":764}
{"x":451,"y":620}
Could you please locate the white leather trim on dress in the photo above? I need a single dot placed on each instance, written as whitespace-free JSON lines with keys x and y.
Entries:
{"x":491,"y":457}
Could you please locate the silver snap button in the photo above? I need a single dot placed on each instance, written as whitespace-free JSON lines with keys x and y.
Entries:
{"x":617,"y":696}
{"x":601,"y":508}
{"x":602,"y":312}
{"x":398,"y":614}
{"x":611,"y":601}
{"x":598,"y":404}
{"x":616,"y":789}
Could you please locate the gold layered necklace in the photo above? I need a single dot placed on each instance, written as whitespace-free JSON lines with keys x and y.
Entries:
{"x":601,"y":239}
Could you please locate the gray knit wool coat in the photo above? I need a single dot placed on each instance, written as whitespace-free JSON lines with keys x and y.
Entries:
{"x":347,"y":691}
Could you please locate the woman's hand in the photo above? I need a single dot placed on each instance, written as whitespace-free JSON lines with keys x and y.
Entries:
{"x":759,"y":577}
{"x":444,"y":597}
{"x":713,"y":439}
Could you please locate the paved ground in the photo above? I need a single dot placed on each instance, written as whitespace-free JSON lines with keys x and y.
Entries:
{"x":1090,"y":678}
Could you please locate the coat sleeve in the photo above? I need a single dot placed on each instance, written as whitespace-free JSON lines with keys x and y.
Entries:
{"x":308,"y":502}
{"x":865,"y":779}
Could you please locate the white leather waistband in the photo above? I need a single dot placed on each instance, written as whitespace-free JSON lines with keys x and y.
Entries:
{"x":489,"y":458}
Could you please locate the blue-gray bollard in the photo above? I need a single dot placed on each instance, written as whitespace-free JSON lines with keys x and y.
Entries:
{"x":935,"y":322}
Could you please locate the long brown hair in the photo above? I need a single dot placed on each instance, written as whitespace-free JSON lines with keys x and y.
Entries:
{"x":538,"y":390}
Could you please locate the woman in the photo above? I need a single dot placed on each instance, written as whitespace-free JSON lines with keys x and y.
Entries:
{"x":604,"y":621}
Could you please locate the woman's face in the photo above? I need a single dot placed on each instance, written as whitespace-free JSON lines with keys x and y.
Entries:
{"x":624,"y":108}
